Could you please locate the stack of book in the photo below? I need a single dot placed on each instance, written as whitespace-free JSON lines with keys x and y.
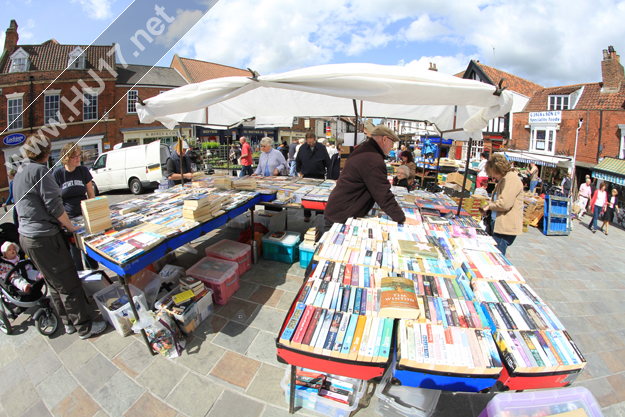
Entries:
{"x":96,"y":214}
{"x":222,"y":182}
{"x":192,"y":284}
{"x":245,"y":183}
{"x":203,"y":207}
{"x":311,"y":236}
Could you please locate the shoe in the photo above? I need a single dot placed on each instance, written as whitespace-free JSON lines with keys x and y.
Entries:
{"x":594,"y":230}
{"x":70,"y":329}
{"x":97,"y":327}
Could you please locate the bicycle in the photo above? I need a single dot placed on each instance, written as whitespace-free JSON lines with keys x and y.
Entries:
{"x":620,"y":217}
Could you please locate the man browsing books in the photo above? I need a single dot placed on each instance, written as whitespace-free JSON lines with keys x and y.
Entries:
{"x":177,"y":163}
{"x":363,"y":182}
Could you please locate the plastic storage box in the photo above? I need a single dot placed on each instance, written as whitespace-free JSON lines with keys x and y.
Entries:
{"x":120,"y":318}
{"x":242,"y":221}
{"x":194,"y":315}
{"x":281,"y":249}
{"x":219,"y":275}
{"x":312,"y":401}
{"x":401,"y":401}
{"x":542,"y":403}
{"x":233,"y":252}
{"x":305,"y":255}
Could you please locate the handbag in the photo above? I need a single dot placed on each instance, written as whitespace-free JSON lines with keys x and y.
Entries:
{"x":488,"y":223}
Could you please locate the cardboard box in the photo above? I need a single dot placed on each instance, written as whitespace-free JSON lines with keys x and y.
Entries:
{"x":458,"y":178}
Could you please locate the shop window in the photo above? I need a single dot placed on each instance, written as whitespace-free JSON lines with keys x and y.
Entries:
{"x":543,"y":140}
{"x":558,"y":102}
{"x":89,"y":154}
{"x":51,"y":108}
{"x":476,"y":149}
{"x":14,"y":113}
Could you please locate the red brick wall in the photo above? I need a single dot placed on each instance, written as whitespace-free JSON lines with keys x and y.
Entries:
{"x":588,"y":141}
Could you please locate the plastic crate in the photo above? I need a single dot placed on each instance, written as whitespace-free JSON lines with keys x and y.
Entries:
{"x":219,"y":275}
{"x":557,"y":216}
{"x":401,"y":401}
{"x":120,"y":318}
{"x":194,"y":315}
{"x":312,"y":401}
{"x":233,"y":252}
{"x":305,"y":255}
{"x":283,"y":249}
{"x":243,"y":221}
{"x":543,"y":403}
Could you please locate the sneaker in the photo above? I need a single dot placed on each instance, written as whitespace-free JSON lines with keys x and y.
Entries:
{"x":70,"y":329}
{"x":97,"y":327}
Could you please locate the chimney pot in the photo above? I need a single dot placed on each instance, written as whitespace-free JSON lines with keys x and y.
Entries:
{"x":11,"y":39}
{"x":612,"y":71}
{"x":605,"y":54}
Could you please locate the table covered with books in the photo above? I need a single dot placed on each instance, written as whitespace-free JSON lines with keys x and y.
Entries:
{"x":435,"y":305}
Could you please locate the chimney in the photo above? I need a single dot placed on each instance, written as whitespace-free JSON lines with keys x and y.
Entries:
{"x":612,"y":71}
{"x":10,"y":42}
{"x":432,"y":67}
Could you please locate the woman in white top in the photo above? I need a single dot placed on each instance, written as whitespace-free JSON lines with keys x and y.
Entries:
{"x":598,"y":204}
{"x":612,"y":207}
{"x":482,"y":176}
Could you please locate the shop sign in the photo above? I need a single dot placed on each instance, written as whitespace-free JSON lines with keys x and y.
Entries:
{"x":202,"y":131}
{"x":14,"y":139}
{"x":545,"y":117}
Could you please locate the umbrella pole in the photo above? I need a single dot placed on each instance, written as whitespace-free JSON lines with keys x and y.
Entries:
{"x":466,"y":173}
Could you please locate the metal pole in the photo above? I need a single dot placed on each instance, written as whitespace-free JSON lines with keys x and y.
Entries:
{"x":125,"y":278}
{"x":466,"y":173}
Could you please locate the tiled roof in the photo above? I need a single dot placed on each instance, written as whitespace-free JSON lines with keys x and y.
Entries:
{"x":163,"y":76}
{"x":201,"y":71}
{"x":592,"y":97}
{"x":50,"y":56}
{"x":513,"y":82}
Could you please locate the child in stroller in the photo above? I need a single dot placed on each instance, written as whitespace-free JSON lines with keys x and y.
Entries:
{"x":22,"y":288}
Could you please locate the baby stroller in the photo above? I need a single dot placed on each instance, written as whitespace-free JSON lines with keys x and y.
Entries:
{"x":13,"y":302}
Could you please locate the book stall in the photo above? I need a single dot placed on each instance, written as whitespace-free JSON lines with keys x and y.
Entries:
{"x":435,"y":305}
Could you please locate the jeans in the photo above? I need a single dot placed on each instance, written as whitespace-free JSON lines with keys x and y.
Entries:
{"x":246,"y":170}
{"x":503,"y":241}
{"x":533,"y":185}
{"x":595,"y":216}
{"x":292,"y":172}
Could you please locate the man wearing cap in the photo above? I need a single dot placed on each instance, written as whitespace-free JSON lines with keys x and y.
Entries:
{"x":172,"y":166}
{"x":364,"y":182}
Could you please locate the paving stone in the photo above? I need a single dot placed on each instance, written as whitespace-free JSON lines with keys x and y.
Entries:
{"x":118,"y":394}
{"x":19,"y":337}
{"x":77,"y":404}
{"x":238,"y":310}
{"x":61,"y":340}
{"x":236,"y":369}
{"x":617,"y":382}
{"x":210,"y":327}
{"x":234,"y":404}
{"x":148,"y":405}
{"x":19,"y":398}
{"x":263,"y":349}
{"x":266,"y":296}
{"x":200,"y":356}
{"x":596,"y":365}
{"x":7,"y":354}
{"x":246,"y":289}
{"x":32,"y":349}
{"x":38,"y":409}
{"x":152,"y":377}
{"x":56,"y":387}
{"x":611,"y":359}
{"x":616,"y":410}
{"x":16,"y":370}
{"x":42,"y":366}
{"x":266,"y":385}
{"x":111,"y":343}
{"x":78,"y":354}
{"x":202,"y":393}
{"x":236,"y":336}
{"x":285,"y":302}
{"x":95,"y":373}
{"x":601,"y":390}
{"x":580,"y":324}
{"x":134,"y":359}
{"x":268,"y":319}
{"x":596,"y":322}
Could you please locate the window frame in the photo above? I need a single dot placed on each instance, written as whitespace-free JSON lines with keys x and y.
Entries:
{"x":128,"y":101}
{"x":556,"y":102}
{"x":550,"y":140}
{"x":49,"y":113}
{"x":19,"y":68}
{"x":85,"y":106}
{"x":19,"y":118}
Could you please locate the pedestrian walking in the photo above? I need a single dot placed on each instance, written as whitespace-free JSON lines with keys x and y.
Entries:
{"x":598,"y":204}
{"x":610,"y":209}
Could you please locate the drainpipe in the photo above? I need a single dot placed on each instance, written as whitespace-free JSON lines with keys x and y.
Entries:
{"x":32,"y":105}
{"x":600,"y":131}
{"x":579,"y":126}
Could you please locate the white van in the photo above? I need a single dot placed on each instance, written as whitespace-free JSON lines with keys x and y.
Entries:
{"x":137,"y":167}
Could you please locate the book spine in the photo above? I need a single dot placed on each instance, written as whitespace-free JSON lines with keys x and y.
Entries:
{"x":332,"y":332}
{"x":528,"y":342}
{"x":574,"y":346}
{"x":322,"y":318}
{"x":323,"y":333}
{"x":345,"y":300}
{"x":312,"y":326}
{"x":349,"y":335}
{"x":289,"y":330}
{"x":340,"y":338}
{"x":358,"y":301}
{"x":302,"y":327}
{"x":360,"y":328}
{"x":385,"y":345}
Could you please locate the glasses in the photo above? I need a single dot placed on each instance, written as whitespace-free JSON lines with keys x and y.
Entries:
{"x":75,"y":157}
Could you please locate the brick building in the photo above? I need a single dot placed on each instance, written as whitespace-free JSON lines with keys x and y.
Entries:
{"x":81,"y":88}
{"x":594,"y":113}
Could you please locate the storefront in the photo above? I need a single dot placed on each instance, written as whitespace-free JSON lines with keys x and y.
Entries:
{"x":143,"y":135}
{"x":288,"y":135}
{"x":91,"y":149}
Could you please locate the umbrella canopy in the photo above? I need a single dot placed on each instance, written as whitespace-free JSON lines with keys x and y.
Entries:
{"x":329,"y":90}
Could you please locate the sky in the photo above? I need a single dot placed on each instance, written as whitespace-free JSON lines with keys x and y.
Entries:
{"x":552,"y":43}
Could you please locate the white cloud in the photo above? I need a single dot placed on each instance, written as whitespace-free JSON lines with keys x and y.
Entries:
{"x":2,"y":37}
{"x":551,"y":43}
{"x":185,"y":19}
{"x":96,"y":9}
{"x":25,"y":33}
{"x":445,"y":64}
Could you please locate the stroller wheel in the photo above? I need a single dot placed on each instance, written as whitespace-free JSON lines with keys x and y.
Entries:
{"x":47,"y":322}
{"x":5,"y":324}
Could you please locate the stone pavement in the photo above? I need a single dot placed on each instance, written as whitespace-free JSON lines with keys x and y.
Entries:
{"x":229,"y":367}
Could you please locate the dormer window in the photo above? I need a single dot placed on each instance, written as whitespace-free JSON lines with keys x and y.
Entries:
{"x":559,"y":102}
{"x":76,"y":59}
{"x":19,"y":61}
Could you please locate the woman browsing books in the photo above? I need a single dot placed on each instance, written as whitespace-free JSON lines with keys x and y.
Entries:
{"x":271,"y":162}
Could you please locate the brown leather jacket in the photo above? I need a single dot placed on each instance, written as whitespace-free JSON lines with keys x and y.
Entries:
{"x":508,"y":205}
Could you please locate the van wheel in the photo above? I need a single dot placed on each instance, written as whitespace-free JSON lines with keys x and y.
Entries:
{"x":95,"y":189}
{"x":135,"y":186}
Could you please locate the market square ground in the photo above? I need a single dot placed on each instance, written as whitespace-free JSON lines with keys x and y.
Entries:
{"x":229,"y":366}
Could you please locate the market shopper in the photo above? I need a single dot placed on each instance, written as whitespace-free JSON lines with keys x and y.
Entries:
{"x":292,"y":149}
{"x":363,"y":182}
{"x":482,"y":176}
{"x":585,"y":192}
{"x":506,"y":206}
{"x":610,"y":209}
{"x":235,"y":154}
{"x":42,"y":216}
{"x":177,"y":163}
{"x":246,"y":158}
{"x":271,"y":162}
{"x":598,"y":204}
{"x":533,"y":177}
{"x":401,"y":179}
{"x":312,"y":161}
{"x":407,"y":160}
{"x":76,"y":185}
{"x":566,"y":185}
{"x":284,"y":148}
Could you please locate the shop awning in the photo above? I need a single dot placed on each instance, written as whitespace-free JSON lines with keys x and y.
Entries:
{"x":611,"y":170}
{"x":546,"y":160}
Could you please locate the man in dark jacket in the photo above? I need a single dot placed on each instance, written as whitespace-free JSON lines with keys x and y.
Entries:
{"x":312,"y":162}
{"x":363,"y":182}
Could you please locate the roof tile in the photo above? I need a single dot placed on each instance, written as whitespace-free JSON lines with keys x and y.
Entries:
{"x":50,"y":56}
{"x":203,"y":71}
{"x":513,"y":82}
{"x":592,"y":98}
